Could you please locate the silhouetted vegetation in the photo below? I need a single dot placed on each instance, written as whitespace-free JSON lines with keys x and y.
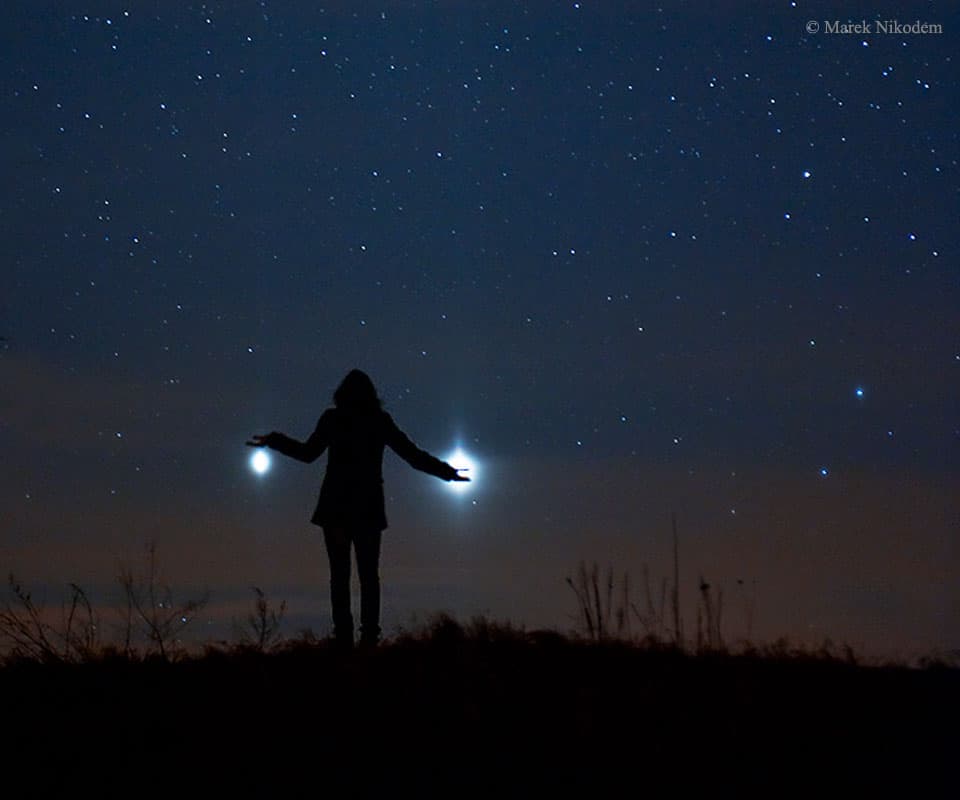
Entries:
{"x":468,"y":709}
{"x":261,"y":628}
{"x":149,"y":605}
{"x":31,"y":635}
{"x":606,"y":609}
{"x":473,"y":709}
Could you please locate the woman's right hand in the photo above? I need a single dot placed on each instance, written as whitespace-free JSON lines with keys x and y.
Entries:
{"x":454,"y":473}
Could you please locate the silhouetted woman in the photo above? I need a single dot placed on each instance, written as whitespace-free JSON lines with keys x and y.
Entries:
{"x":351,"y":507}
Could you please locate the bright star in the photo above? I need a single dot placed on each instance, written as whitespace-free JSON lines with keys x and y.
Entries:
{"x":260,"y":462}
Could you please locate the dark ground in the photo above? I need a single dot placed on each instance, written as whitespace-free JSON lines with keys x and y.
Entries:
{"x":490,"y":713}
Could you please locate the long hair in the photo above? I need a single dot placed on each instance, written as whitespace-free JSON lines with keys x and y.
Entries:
{"x":356,"y":393}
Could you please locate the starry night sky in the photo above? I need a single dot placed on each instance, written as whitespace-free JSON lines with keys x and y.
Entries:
{"x":633,"y":259}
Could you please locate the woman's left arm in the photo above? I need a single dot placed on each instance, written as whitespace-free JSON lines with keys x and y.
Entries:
{"x":308,"y":451}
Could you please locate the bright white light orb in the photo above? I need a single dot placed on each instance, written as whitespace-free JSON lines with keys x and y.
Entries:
{"x":460,"y":460}
{"x":260,"y":462}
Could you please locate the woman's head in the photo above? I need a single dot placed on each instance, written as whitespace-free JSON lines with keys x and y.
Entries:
{"x":356,"y":393}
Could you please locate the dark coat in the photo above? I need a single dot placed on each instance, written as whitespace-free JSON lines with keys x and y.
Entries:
{"x":352,"y":489}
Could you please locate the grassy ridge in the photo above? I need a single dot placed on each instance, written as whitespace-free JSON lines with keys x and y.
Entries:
{"x":474,"y":711}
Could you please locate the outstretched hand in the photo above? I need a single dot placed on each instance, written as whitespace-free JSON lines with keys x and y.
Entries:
{"x":458,"y":476}
{"x":258,"y":440}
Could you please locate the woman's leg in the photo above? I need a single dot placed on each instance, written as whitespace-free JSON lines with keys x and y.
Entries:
{"x":337,"y":541}
{"x":367,"y":546}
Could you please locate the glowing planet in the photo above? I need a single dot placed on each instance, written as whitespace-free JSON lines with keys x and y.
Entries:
{"x":260,"y":462}
{"x":459,"y":459}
